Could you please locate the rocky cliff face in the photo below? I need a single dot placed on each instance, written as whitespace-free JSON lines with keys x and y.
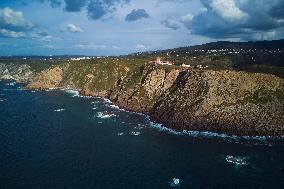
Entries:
{"x":15,"y":72}
{"x":231,"y":102}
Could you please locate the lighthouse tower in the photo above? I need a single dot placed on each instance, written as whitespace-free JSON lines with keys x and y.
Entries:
{"x":158,"y":61}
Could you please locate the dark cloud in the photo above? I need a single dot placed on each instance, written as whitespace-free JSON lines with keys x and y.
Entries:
{"x":55,"y":3}
{"x":74,"y":5}
{"x":96,"y":9}
{"x":237,"y":18}
{"x":278,"y":10}
{"x":136,"y":14}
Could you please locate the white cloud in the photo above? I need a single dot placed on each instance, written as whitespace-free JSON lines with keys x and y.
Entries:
{"x":74,"y":29}
{"x":187,"y":18}
{"x":141,"y":46}
{"x":228,"y":10}
{"x":13,"y":19}
{"x":90,"y":46}
{"x":12,"y":34}
{"x":13,"y":24}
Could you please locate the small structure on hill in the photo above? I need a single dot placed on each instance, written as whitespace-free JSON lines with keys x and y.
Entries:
{"x":201,"y":66}
{"x":186,"y":65}
{"x":159,"y":61}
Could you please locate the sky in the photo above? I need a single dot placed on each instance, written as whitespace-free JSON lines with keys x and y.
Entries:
{"x":116,"y":27}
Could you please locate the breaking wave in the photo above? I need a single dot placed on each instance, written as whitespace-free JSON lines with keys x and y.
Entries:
{"x":105,"y":115}
{"x":59,"y":110}
{"x":237,"y":160}
{"x":255,"y":140}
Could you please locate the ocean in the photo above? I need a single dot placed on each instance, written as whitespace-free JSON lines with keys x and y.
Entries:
{"x":57,"y":139}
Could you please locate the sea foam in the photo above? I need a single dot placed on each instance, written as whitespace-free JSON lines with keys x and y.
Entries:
{"x":59,"y":110}
{"x":104,"y":115}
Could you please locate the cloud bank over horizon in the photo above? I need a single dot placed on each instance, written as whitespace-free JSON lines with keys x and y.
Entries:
{"x":113,"y":27}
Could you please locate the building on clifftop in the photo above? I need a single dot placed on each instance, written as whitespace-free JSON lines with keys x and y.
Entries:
{"x":159,"y":61}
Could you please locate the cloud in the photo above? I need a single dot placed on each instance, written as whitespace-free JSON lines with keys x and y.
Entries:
{"x":13,"y":20}
{"x":187,"y":18}
{"x":13,"y":23}
{"x":142,"y":47}
{"x":11,"y":34}
{"x":171,"y":23}
{"x":136,"y":14}
{"x":73,"y":29}
{"x":53,"y":3}
{"x":74,"y":5}
{"x":96,"y":9}
{"x":245,"y":19}
{"x":227,"y":9}
{"x":89,"y":46}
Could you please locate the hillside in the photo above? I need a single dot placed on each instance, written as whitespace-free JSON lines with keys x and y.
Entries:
{"x":223,"y":98}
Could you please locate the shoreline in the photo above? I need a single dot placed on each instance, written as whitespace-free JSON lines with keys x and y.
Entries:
{"x":242,"y":139}
{"x":163,"y":127}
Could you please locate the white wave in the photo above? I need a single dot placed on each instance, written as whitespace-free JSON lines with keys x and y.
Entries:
{"x":114,"y":107}
{"x":107,"y":100}
{"x":17,"y":89}
{"x":95,"y":102}
{"x":238,"y":161}
{"x":163,"y":128}
{"x":175,"y":182}
{"x":59,"y":110}
{"x":257,"y":140}
{"x":11,"y":84}
{"x":104,"y":115}
{"x":120,"y":134}
{"x":74,"y":93}
{"x":135,"y":133}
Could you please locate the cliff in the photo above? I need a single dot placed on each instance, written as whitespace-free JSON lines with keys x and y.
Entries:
{"x":231,"y":102}
{"x":10,"y":71}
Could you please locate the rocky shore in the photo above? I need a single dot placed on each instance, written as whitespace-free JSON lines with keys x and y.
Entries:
{"x":230,"y":102}
{"x":224,"y":101}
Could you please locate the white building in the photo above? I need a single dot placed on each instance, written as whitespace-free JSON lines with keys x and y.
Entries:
{"x":186,"y":65}
{"x":159,"y":61}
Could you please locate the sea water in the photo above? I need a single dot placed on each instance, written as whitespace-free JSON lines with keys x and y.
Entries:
{"x":57,"y":139}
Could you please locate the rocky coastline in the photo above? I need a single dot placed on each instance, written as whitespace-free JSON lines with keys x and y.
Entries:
{"x":229,"y":102}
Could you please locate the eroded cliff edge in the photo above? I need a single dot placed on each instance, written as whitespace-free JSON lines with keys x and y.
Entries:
{"x":231,"y":102}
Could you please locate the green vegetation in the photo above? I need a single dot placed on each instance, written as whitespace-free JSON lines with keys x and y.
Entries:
{"x":102,"y":74}
{"x":263,"y":96}
{"x":37,"y":65}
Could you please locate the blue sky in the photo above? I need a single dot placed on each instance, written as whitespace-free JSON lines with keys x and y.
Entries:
{"x":114,"y":27}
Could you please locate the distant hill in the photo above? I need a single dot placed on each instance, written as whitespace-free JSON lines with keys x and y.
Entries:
{"x":260,"y":56}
